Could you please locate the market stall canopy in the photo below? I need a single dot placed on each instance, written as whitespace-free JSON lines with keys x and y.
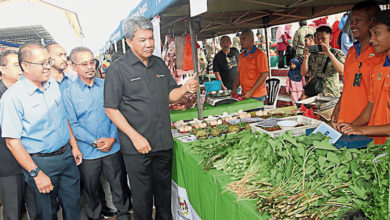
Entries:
{"x":147,"y":8}
{"x":230,"y":16}
{"x":37,"y":17}
{"x":15,"y":36}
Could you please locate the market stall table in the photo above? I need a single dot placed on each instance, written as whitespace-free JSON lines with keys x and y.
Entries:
{"x":207,"y":191}
{"x":217,"y":110}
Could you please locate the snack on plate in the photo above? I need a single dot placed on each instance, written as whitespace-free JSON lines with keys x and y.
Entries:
{"x":185,"y":129}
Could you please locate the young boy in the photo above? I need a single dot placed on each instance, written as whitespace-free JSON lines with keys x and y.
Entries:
{"x":358,"y":65}
{"x":377,"y":111}
{"x":309,"y":40}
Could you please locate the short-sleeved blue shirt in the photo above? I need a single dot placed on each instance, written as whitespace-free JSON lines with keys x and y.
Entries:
{"x":37,"y":117}
{"x":87,"y":117}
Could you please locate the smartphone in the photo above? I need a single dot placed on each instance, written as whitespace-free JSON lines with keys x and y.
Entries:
{"x":315,"y":48}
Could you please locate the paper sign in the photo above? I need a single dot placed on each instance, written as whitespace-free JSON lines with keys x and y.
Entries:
{"x":198,"y":7}
{"x":186,"y":139}
{"x":328,"y":131}
{"x":156,"y":35}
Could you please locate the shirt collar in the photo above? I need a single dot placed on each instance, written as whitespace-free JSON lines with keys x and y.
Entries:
{"x":82,"y":85}
{"x":253,"y":50}
{"x":31,"y":88}
{"x":65,"y":78}
{"x":134,"y":59}
{"x":356,"y":45}
{"x":387,"y":62}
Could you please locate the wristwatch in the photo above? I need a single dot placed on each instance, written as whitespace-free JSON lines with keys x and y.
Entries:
{"x":94,"y":144}
{"x":34,"y":172}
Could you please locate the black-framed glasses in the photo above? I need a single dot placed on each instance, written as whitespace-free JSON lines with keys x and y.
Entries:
{"x":46,"y":64}
{"x":86,"y":64}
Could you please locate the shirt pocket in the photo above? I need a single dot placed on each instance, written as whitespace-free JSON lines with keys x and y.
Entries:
{"x":134,"y":87}
{"x":162,"y":84}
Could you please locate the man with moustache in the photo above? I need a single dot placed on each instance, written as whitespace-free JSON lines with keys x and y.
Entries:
{"x":137,"y":91}
{"x":64,"y":80}
{"x":96,"y":136}
{"x":58,"y":54}
{"x":252,"y":69}
{"x":12,"y":185}
{"x":34,"y":124}
{"x":225,"y":63}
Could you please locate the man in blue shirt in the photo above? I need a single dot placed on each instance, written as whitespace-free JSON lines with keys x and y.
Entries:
{"x":12,"y":186}
{"x":96,"y":135}
{"x":64,"y":80}
{"x":58,"y":54}
{"x":34,"y":124}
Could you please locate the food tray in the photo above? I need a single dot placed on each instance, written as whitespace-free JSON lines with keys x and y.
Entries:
{"x":307,"y":123}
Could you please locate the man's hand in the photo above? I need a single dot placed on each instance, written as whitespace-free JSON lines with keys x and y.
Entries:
{"x":192,"y":84}
{"x":105,"y":143}
{"x":78,"y":156}
{"x":306,"y":53}
{"x":325,"y":49}
{"x":43,"y":183}
{"x":141,"y":144}
{"x":349,"y":129}
{"x":247,"y":94}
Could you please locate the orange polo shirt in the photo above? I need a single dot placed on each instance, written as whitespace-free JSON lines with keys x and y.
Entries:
{"x":250,"y":66}
{"x":380,"y":96}
{"x":354,"y":98}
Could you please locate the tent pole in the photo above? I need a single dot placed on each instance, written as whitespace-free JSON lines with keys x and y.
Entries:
{"x":123,"y":46}
{"x":195,"y":61}
{"x":265,"y":21}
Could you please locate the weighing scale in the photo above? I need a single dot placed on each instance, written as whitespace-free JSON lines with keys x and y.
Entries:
{"x":220,"y":100}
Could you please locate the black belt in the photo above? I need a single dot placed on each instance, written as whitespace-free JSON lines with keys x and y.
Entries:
{"x":57,"y":152}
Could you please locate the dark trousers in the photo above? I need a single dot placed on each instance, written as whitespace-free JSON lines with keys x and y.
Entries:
{"x":150,"y":175}
{"x":281,"y":58}
{"x":15,"y":195}
{"x":65,"y":177}
{"x":114,"y":170}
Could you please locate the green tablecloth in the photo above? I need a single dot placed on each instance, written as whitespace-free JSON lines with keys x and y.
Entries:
{"x":217,"y":110}
{"x":207,"y":190}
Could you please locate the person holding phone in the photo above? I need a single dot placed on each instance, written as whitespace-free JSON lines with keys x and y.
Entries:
{"x":326,"y":64}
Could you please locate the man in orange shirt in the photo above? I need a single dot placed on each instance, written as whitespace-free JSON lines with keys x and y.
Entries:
{"x":252,"y":69}
{"x":377,"y":111}
{"x":358,"y":65}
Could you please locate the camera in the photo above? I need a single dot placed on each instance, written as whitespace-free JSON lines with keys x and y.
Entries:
{"x":315,"y":48}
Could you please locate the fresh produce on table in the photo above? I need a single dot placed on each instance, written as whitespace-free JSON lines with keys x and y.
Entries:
{"x":202,"y":134}
{"x":301,"y":177}
{"x":275,"y":128}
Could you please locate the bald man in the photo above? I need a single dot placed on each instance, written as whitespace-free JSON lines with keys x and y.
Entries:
{"x":252,"y":69}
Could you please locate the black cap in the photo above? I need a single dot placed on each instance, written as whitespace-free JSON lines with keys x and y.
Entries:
{"x":383,"y":17}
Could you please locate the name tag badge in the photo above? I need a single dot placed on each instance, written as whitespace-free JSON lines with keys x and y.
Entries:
{"x":159,"y":76}
{"x":135,"y":79}
{"x":357,"y":79}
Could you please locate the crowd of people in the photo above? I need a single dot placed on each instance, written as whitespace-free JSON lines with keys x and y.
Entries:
{"x":62,"y":127}
{"x":61,"y":131}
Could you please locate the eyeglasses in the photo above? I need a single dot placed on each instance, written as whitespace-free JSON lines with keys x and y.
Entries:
{"x":86,"y":64}
{"x":47,"y":64}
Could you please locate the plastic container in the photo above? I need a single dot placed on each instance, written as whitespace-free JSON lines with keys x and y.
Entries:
{"x":287,"y":124}
{"x":308,"y":123}
{"x":212,"y":86}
